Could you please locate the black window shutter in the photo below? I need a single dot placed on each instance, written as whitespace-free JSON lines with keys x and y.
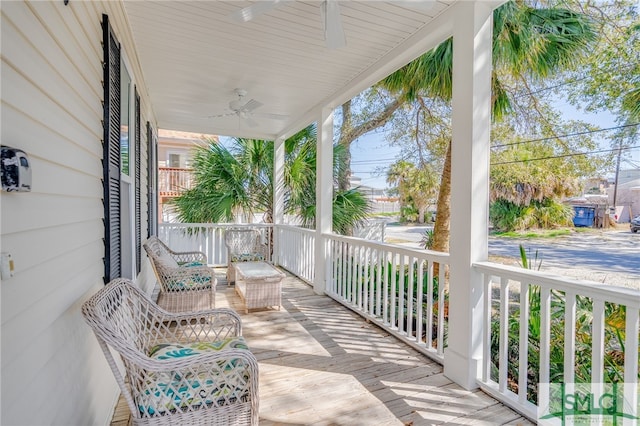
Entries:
{"x":111,"y":155}
{"x":138,"y":199}
{"x":152,"y":179}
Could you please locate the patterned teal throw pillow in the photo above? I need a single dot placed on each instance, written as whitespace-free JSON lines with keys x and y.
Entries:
{"x":171,"y":391}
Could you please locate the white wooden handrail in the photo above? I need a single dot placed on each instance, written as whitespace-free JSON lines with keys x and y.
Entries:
{"x":565,"y":293}
{"x":393,"y":286}
{"x":208,"y":237}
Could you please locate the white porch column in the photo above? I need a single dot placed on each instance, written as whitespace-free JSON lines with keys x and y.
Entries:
{"x":278,"y":194}
{"x":324,"y":195}
{"x":471,"y":121}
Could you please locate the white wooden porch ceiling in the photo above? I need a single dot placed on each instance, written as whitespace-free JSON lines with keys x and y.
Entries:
{"x":193,"y":56}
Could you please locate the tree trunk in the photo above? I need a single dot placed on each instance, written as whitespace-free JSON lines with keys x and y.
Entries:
{"x":443,"y":215}
{"x":346,"y":129}
{"x":421,"y":214}
{"x":349,"y":133}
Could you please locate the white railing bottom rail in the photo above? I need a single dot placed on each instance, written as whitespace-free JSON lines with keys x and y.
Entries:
{"x":543,"y":332}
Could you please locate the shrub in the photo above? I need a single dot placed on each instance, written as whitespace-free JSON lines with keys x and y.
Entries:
{"x":614,"y":338}
{"x":507,"y":216}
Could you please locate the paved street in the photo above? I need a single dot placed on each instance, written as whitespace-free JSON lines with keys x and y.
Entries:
{"x":616,"y":251}
{"x":603,"y":256}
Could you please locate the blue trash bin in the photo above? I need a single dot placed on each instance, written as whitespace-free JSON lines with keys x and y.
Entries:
{"x":583,"y":216}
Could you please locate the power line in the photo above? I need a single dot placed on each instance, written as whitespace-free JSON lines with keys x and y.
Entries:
{"x":567,"y":155}
{"x":367,"y":171}
{"x":586,"y":132}
{"x":372,"y":162}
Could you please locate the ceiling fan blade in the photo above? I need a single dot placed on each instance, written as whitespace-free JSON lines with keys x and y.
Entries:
{"x":250,"y":12}
{"x":251,"y":105}
{"x":333,"y":30}
{"x":419,"y":5}
{"x":221,"y":115}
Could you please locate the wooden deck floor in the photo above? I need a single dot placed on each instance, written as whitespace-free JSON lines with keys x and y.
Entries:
{"x":321,"y":364}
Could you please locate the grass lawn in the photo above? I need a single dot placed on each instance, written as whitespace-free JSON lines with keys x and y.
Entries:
{"x":544,"y":233}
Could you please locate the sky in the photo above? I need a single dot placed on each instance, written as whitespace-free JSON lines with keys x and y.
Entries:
{"x":368,"y":152}
{"x":371,"y":152}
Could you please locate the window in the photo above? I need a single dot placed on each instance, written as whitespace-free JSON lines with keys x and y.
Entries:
{"x":122,"y":163}
{"x":152,"y":181}
{"x":174,"y":160}
{"x":125,"y":95}
{"x":178,"y":160}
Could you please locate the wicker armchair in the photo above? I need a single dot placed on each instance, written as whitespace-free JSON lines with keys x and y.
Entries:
{"x":243,"y":245}
{"x":179,"y":368}
{"x":186,"y":282}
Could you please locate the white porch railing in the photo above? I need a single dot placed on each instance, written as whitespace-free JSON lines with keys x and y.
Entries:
{"x":207,"y":237}
{"x":173,"y":180}
{"x":537,"y":328}
{"x":372,"y":230}
{"x":394,"y":286}
{"x":540,"y":328}
{"x":297,"y":250}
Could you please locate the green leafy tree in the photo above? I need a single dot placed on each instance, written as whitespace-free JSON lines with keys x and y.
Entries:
{"x":608,"y":78}
{"x":416,"y":186}
{"x":235,"y":182}
{"x":398,"y":176}
{"x":529,"y":44}
{"x":528,"y":177}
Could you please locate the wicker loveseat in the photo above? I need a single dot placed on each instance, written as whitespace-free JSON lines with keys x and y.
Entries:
{"x":243,"y":245}
{"x":186,"y":282}
{"x":179,"y":368}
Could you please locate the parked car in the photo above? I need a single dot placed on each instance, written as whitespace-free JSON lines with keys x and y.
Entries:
{"x":635,"y":224}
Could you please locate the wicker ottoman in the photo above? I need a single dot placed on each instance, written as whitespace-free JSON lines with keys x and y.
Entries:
{"x":258,"y":284}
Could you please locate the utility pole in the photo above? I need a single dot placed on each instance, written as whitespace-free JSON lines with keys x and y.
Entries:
{"x":615,"y":188}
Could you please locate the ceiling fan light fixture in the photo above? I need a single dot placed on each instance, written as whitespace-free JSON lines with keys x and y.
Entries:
{"x":235,"y":105}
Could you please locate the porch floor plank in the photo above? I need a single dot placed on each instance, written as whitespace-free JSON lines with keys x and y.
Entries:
{"x":321,"y":364}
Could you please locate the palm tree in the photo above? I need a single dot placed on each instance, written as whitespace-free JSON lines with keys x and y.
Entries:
{"x":528,"y":42}
{"x":416,"y":185}
{"x":223,"y":185}
{"x":237,"y":182}
{"x":398,"y":175}
{"x":631,"y":103}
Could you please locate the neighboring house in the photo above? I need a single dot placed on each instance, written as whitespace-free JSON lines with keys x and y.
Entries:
{"x":595,"y":186}
{"x":600,"y":194}
{"x":175,"y":173}
{"x":627,"y":199}
{"x":627,"y":175}
{"x":379,"y":201}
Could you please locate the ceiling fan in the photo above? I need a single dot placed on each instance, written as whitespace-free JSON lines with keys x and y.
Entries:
{"x":329,"y":10}
{"x":330,"y":13}
{"x":244,"y":110}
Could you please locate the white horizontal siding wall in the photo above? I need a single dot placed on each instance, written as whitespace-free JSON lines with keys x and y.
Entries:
{"x":53,"y":371}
